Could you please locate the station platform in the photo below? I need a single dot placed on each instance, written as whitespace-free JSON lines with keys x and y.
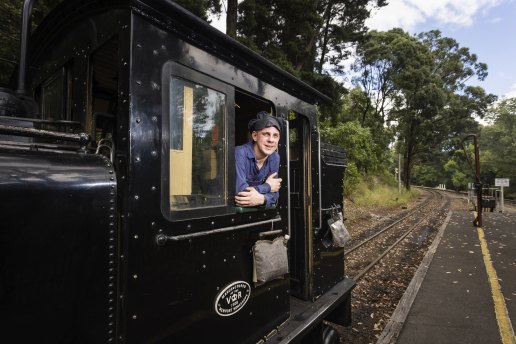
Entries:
{"x":465,"y":289}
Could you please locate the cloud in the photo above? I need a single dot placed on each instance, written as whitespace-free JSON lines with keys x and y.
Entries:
{"x":511,"y":93}
{"x":407,"y":14}
{"x":398,"y":13}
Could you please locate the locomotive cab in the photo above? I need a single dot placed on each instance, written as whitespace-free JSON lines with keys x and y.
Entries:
{"x":140,"y":107}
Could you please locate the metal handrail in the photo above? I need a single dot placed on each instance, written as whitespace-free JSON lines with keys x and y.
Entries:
{"x":161,"y":239}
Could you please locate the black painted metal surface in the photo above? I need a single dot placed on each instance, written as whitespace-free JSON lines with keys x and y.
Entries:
{"x":329,"y":261}
{"x":57,"y":234}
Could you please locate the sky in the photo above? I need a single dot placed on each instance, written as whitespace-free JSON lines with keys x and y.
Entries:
{"x":486,"y":27}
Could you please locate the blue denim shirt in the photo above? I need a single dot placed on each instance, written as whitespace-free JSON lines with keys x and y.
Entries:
{"x":248,"y":174}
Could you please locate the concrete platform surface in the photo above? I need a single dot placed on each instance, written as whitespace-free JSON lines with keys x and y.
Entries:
{"x":459,"y":300}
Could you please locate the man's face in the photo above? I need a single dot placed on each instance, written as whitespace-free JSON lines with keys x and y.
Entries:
{"x":266,"y":141}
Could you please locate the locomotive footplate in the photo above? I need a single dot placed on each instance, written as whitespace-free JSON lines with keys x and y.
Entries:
{"x":334,"y":306}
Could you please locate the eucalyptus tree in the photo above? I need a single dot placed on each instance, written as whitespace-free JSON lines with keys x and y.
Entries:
{"x":202,"y":8}
{"x":308,"y":38}
{"x":498,"y":144}
{"x":419,"y":83}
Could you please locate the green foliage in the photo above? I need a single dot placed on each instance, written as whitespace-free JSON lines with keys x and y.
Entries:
{"x":418,"y":83}
{"x":371,"y":191}
{"x":307,"y":38}
{"x":10,"y":28}
{"x":457,"y":174}
{"x":498,"y":145}
{"x":201,"y":8}
{"x":357,"y":107}
{"x":356,"y":140}
{"x":352,"y":178}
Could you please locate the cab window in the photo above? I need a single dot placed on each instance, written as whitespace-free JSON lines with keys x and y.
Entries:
{"x":196,"y":173}
{"x":197,"y":150}
{"x":54,"y":93}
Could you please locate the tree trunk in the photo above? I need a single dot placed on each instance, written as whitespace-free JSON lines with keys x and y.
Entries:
{"x":231,"y":18}
{"x":407,"y":170}
{"x":325,"y":38}
{"x":313,"y":39}
{"x":409,"y":153}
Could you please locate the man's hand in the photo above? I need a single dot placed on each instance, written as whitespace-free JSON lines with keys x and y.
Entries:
{"x":274,"y":183}
{"x":249,"y":198}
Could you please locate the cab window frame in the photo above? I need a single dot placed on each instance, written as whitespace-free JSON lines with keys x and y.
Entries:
{"x":171,"y":70}
{"x":62,"y":78}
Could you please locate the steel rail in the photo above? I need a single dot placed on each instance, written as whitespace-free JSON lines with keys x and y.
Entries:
{"x":399,"y":240}
{"x":384,"y":253}
{"x":412,"y":212}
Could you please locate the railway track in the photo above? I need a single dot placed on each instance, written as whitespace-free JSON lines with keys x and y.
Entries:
{"x":384,"y":259}
{"x":510,"y":202}
{"x":365,"y":255}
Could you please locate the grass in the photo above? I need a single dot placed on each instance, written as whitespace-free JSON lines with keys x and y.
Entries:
{"x":376,"y":193}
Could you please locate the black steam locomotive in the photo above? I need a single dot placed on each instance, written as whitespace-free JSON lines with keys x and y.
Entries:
{"x":117,"y":184}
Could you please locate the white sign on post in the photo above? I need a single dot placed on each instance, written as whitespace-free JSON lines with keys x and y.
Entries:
{"x":501,"y":181}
